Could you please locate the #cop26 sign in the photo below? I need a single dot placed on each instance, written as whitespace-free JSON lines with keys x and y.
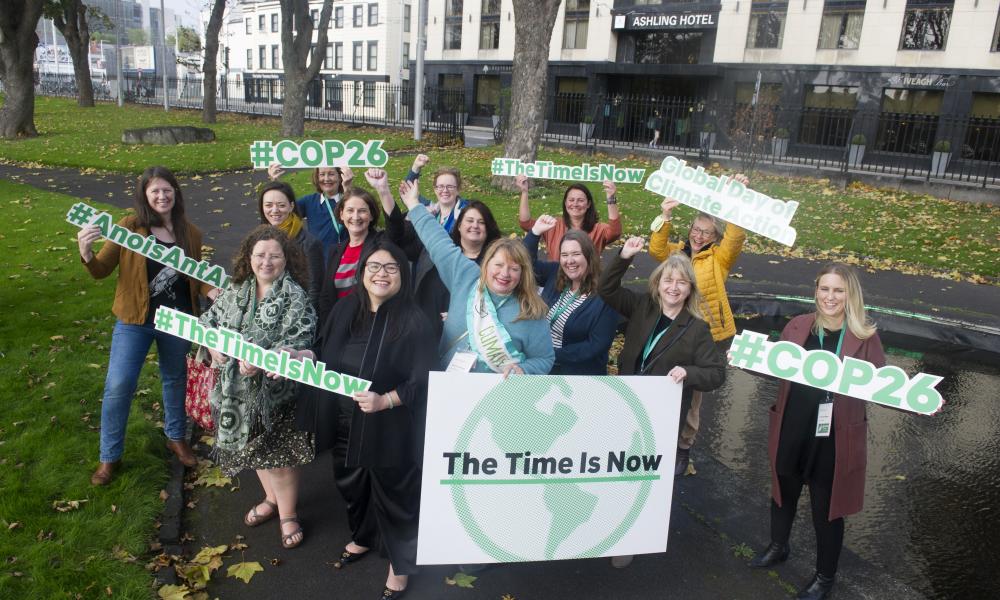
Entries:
{"x":546,"y":467}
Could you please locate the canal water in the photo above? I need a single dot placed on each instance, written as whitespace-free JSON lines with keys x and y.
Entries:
{"x":932,"y":495}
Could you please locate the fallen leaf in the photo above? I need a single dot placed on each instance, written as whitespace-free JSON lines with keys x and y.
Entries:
{"x":461,"y":579}
{"x":244,"y":570}
{"x":67,"y":505}
{"x":173,"y":592}
{"x":212,"y":477}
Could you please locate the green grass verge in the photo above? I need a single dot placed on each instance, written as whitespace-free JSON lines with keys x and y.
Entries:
{"x":54,"y":345}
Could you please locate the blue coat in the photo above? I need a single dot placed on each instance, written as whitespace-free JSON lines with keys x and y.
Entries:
{"x":589,"y":330}
{"x":318,"y":221}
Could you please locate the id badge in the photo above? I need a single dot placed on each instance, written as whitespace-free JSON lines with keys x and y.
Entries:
{"x":462,"y":362}
{"x":824,"y":419}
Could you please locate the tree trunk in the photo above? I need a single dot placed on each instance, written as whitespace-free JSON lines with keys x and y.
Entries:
{"x":71,"y":21}
{"x":18,"y":41}
{"x":301,"y":64}
{"x":211,"y":60}
{"x":533,"y":23}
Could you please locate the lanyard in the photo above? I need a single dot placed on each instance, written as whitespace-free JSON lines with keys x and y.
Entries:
{"x":653,"y":340}
{"x":559,"y":310}
{"x":839,"y":342}
{"x":326,"y":202}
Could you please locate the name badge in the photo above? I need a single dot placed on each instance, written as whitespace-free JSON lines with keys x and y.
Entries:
{"x":824,"y":418}
{"x":462,"y":362}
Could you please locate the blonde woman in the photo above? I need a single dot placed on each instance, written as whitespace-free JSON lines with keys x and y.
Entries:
{"x":832,"y":465}
{"x":496,"y":319}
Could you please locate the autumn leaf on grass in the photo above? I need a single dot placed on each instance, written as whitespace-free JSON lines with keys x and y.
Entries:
{"x":212,"y":476}
{"x":461,"y":580}
{"x":174,"y":592}
{"x":244,"y":570}
{"x":67,"y":505}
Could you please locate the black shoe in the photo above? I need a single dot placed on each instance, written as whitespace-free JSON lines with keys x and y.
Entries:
{"x":347,"y":557}
{"x":774,"y":554}
{"x":390,"y":594}
{"x":683,"y":457}
{"x":817,"y":589}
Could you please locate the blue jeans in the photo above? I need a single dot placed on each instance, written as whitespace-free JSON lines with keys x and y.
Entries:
{"x":129,"y":347}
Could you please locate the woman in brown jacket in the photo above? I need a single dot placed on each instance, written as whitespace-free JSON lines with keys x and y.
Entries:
{"x":832,"y":466}
{"x":143,"y":286}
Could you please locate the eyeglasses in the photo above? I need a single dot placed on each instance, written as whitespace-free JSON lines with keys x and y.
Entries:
{"x":702,"y":232}
{"x":375,"y":267}
{"x":446,"y":188}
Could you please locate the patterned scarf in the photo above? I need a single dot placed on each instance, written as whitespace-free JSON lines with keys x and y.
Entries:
{"x":242,"y":406}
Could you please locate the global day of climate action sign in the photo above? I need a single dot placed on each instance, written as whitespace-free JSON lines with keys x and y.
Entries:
{"x":82,"y":214}
{"x":311,"y":154}
{"x":724,"y":198}
{"x":546,"y":467}
{"x":231,"y":343}
{"x":546,"y":169}
{"x":821,"y":369}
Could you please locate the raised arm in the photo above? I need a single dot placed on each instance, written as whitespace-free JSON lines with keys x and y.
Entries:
{"x":610,"y":287}
{"x":451,"y":264}
{"x":523,"y":210}
{"x":544,"y":269}
{"x":379,"y":180}
{"x":614,"y":217}
{"x":419,"y":163}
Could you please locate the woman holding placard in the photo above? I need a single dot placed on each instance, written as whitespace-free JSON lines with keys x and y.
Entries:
{"x":666,"y":334}
{"x":376,"y":333}
{"x":713,"y":247}
{"x":318,"y":209}
{"x":143,"y":286}
{"x":800,"y":446}
{"x":277,"y":207}
{"x":578,"y":213}
{"x":581,"y":324}
{"x":494,"y":305}
{"x":254,"y":412}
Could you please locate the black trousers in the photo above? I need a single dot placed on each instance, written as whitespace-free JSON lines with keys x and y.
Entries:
{"x":829,"y":534}
{"x":383,"y":505}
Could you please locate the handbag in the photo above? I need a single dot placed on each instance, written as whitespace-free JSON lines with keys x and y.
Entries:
{"x":200,"y":381}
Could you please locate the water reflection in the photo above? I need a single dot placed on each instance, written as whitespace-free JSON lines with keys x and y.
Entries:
{"x":932,"y":496}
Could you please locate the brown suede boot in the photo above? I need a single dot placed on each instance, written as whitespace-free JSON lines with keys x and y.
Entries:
{"x":183,"y":452}
{"x":104,"y":473}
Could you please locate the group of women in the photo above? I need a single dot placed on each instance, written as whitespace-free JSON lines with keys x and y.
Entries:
{"x":435,"y":289}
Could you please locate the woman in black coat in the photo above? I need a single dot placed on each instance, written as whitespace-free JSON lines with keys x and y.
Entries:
{"x":376,"y":333}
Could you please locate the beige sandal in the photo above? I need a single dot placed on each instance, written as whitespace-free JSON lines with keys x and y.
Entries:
{"x":254,"y":518}
{"x":286,"y":537}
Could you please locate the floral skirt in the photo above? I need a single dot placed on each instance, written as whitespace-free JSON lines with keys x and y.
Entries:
{"x":282,"y":446}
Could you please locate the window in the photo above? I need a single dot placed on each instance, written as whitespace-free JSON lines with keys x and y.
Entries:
{"x":274,"y":57}
{"x":453,"y":25}
{"x":406,"y":18}
{"x":577,"y":23}
{"x":314,"y":17}
{"x":328,"y":57}
{"x":372,"y":15}
{"x":489,"y":25}
{"x":359,"y":15}
{"x":769,"y":94}
{"x":274,"y":22}
{"x":262,"y":55}
{"x":909,"y":119}
{"x":406,"y":54}
{"x":260,"y":22}
{"x":334,"y":95}
{"x":925,"y":25}
{"x":338,"y":17}
{"x":982,"y":136}
{"x":368,"y":88}
{"x":338,"y":56}
{"x":451,"y":96}
{"x":486,"y":95}
{"x":767,"y":24}
{"x":570,"y":100}
{"x":668,"y":47}
{"x":372,"y":56}
{"x":249,"y":59}
{"x":827,"y":115}
{"x":358,"y":55}
{"x":840,"y":27}
{"x":249,"y":26}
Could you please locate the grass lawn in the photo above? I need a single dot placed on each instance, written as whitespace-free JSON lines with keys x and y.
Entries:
{"x":70,"y":136}
{"x":54,"y":345}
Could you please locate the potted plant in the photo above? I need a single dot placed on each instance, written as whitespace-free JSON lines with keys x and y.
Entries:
{"x":586,"y":127}
{"x":940,"y":158}
{"x":708,"y":136}
{"x":856,"y":153}
{"x":779,"y":143}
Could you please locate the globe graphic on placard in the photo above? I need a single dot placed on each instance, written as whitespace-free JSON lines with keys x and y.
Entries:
{"x":553,"y":417}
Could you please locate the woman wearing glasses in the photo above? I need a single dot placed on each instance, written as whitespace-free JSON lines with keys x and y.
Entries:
{"x":447,"y":187}
{"x":377,"y":333}
{"x":578,"y":213}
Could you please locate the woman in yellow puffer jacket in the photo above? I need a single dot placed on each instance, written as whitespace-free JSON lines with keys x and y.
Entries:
{"x":713,"y":248}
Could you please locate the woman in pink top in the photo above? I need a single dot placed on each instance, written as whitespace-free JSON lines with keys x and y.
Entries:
{"x":578,"y":213}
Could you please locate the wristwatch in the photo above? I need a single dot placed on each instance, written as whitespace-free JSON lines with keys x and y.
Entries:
{"x":612,"y":200}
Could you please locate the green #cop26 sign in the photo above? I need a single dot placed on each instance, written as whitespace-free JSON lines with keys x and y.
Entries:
{"x":315,"y":153}
{"x":546,"y":467}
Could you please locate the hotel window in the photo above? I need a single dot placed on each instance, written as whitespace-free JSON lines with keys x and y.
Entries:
{"x":338,"y":17}
{"x":570,"y":100}
{"x":369,"y":93}
{"x":840,"y":27}
{"x":359,"y":15}
{"x":359,"y":56}
{"x":827,"y":115}
{"x":577,"y":21}
{"x":338,"y":56}
{"x":451,"y":94}
{"x":925,"y":25}
{"x":372,"y":15}
{"x":767,"y":24}
{"x":453,"y":25}
{"x":274,"y":23}
{"x":489,"y":25}
{"x":314,"y":17}
{"x":274,"y":57}
{"x":328,"y":58}
{"x":249,"y":59}
{"x":486,"y":95}
{"x":249,"y":26}
{"x":261,"y":20}
{"x":982,"y":136}
{"x":667,"y":47}
{"x":909,"y":119}
{"x":406,"y":54}
{"x":372,"y":56}
{"x":262,"y":55}
{"x":406,"y":18}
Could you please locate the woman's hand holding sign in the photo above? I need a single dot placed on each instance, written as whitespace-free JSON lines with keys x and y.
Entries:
{"x":86,"y":238}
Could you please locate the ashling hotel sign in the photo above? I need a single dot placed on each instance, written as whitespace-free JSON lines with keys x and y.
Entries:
{"x":666,"y":21}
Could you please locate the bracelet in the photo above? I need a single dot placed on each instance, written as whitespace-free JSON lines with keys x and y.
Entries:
{"x":389,"y":396}
{"x":612,"y":200}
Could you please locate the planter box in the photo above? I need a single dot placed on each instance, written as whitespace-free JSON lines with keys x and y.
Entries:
{"x":855,"y":155}
{"x":939,"y":163}
{"x":708,"y":140}
{"x":779,"y":147}
{"x":586,"y":130}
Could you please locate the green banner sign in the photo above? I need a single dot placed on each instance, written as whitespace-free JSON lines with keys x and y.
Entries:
{"x":314,"y":153}
{"x":545,"y":169}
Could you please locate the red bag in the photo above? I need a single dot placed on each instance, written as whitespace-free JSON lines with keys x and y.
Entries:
{"x":200,"y":381}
